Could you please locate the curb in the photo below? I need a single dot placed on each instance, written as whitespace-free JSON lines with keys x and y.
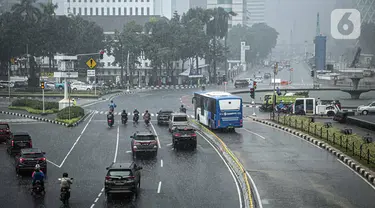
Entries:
{"x":46,"y":119}
{"x":33,"y":117}
{"x":340,"y":155}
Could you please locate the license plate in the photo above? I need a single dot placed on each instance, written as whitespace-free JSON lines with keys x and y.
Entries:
{"x":144,"y":144}
{"x":119,"y":183}
{"x":21,"y":144}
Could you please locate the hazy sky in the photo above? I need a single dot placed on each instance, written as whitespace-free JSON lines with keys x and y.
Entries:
{"x":282,"y":14}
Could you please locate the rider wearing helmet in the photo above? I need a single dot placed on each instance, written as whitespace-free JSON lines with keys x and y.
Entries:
{"x":182,"y":109}
{"x":65,"y":183}
{"x":38,"y":175}
{"x":112,"y":106}
{"x":124,"y":114}
{"x":135,"y":111}
{"x":147,"y":115}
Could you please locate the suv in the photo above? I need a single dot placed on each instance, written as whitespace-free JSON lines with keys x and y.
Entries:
{"x":144,"y":142}
{"x":5,"y":132}
{"x":184,"y":136}
{"x":28,"y":158}
{"x":122,"y":178}
{"x":178,"y":119}
{"x":163,"y":116}
{"x":241,"y":83}
{"x":18,"y":141}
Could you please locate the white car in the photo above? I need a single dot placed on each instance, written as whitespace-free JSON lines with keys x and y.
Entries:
{"x":258,"y":79}
{"x":366,"y":109}
{"x":81,"y":86}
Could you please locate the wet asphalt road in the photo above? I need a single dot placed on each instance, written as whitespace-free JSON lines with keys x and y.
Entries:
{"x":187,"y":178}
{"x":290,"y":172}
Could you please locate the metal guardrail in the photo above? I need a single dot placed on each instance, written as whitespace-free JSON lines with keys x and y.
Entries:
{"x":235,"y":164}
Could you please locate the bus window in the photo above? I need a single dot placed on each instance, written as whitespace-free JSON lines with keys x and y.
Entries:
{"x":212,"y":107}
{"x":201,"y":105}
{"x":309,"y":105}
{"x":299,"y":102}
{"x":232,"y":104}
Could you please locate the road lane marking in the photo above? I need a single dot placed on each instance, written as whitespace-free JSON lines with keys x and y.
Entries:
{"x":230,"y":170}
{"x":255,"y":189}
{"x":75,"y":143}
{"x":97,"y":198}
{"x":92,"y":205}
{"x":256,"y":134}
{"x":157,"y":137}
{"x":117,"y":141}
{"x":161,"y":163}
{"x":170,"y":144}
{"x":159,"y":187}
{"x":365,"y":180}
{"x":53,"y":163}
{"x":289,"y":134}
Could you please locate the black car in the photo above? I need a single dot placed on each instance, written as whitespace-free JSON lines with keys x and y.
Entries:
{"x":5,"y":132}
{"x":122,"y":178}
{"x":28,"y":158}
{"x":241,"y":83}
{"x":267,"y":75}
{"x":163,"y":116}
{"x":144,"y":143}
{"x":184,"y":136}
{"x":18,"y":141}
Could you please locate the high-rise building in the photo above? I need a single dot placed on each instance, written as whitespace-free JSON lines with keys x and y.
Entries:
{"x":367,"y":9}
{"x":198,"y":3}
{"x":105,"y":7}
{"x":237,"y":6}
{"x":255,"y":12}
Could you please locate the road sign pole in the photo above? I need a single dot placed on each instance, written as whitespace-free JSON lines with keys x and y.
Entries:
{"x":225,"y":86}
{"x":253,"y":103}
{"x":95,"y":84}
{"x":43,"y":101}
{"x":9,"y":81}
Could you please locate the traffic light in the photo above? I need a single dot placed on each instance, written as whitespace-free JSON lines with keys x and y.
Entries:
{"x":252,"y":93}
{"x":42,"y":85}
{"x":254,"y":84}
{"x":101,"y":54}
{"x":312,"y":73}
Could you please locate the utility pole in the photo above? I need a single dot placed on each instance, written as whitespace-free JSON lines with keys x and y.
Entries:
{"x":127,"y":73}
{"x":274,"y":89}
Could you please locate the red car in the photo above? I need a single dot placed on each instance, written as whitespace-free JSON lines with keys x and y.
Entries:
{"x":5,"y":132}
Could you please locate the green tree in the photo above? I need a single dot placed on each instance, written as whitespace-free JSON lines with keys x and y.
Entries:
{"x":126,"y":43}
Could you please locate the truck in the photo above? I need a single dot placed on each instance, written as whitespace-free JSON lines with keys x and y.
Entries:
{"x":287,"y":98}
{"x":309,"y":106}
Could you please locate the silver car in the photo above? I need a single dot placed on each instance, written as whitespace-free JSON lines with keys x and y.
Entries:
{"x":178,"y":119}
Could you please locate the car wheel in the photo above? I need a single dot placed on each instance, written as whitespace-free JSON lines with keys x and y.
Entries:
{"x":139,"y":183}
{"x":365,"y":112}
{"x":18,"y":171}
{"x":108,"y":196}
{"x":330,"y":113}
{"x":155,"y":154}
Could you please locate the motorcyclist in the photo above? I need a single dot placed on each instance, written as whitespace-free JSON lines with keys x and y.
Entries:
{"x":124,"y":114}
{"x":280,"y":105}
{"x":65,"y":184}
{"x":182,"y":109}
{"x":110,"y":116}
{"x":38,"y":175}
{"x":135,"y":113}
{"x":147,"y":116}
{"x":112,"y":106}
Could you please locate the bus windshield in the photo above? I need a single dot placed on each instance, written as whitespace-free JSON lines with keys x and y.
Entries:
{"x":230,"y":104}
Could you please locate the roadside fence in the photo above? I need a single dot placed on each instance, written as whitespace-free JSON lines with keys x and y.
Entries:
{"x":362,"y":147}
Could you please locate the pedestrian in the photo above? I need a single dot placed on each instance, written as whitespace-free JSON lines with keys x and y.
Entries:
{"x":74,"y":102}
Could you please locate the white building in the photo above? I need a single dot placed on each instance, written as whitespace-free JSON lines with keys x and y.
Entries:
{"x":236,"y":6}
{"x":104,"y":7}
{"x":255,"y":12}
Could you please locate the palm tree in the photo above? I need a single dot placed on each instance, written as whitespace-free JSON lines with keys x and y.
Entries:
{"x":48,"y":10}
{"x":27,"y":10}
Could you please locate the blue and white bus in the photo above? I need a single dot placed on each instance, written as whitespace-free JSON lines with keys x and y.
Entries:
{"x":218,"y":110}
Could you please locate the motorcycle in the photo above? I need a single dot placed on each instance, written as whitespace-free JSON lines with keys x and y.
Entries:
{"x":38,"y":189}
{"x":147,"y":122}
{"x":110,"y":121}
{"x":65,"y":195}
{"x":135,"y":118}
{"x":124,"y":119}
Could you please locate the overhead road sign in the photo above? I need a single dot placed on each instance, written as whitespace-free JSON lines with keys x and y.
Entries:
{"x":65,"y":74}
{"x":91,"y":63}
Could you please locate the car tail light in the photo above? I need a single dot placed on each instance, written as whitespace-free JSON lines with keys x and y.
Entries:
{"x":21,"y":160}
{"x":31,"y":143}
{"x":43,"y":159}
{"x":12,"y":143}
{"x":137,"y":143}
{"x":131,"y":177}
{"x":154,"y":142}
{"x":194,"y":135}
{"x":107,"y":178}
{"x":241,"y":121}
{"x":177,"y":134}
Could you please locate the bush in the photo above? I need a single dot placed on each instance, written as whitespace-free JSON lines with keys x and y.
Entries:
{"x":69,"y":122}
{"x":32,"y":110}
{"x":75,"y":112}
{"x":35,"y":104}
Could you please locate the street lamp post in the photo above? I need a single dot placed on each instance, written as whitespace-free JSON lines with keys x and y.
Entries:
{"x":127,"y":73}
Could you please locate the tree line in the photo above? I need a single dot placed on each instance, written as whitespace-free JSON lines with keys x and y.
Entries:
{"x":197,"y":34}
